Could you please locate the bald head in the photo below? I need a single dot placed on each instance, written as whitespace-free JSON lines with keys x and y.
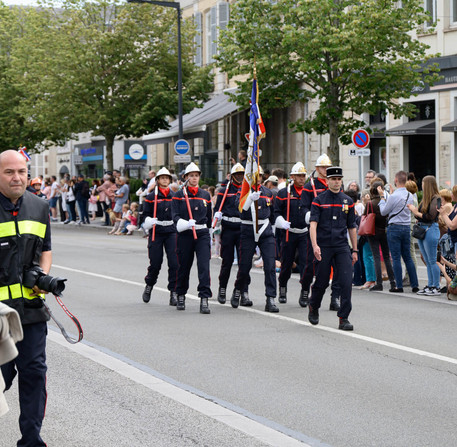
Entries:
{"x":13,"y":175}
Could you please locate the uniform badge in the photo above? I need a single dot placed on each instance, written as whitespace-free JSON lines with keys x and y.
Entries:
{"x":345,"y":206}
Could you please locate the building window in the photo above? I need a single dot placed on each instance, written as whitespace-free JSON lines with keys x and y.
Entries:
{"x":430,"y":7}
{"x":216,"y":19}
{"x":454,"y":11}
{"x":198,"y":39}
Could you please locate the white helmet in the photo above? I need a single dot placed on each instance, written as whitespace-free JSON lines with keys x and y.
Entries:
{"x":260,"y":170}
{"x":237,"y":169}
{"x":323,"y":160}
{"x":163,"y":171}
{"x":192,"y":168}
{"x":298,"y":168}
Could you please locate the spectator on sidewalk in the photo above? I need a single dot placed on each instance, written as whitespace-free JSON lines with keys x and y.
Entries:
{"x":82,"y":194}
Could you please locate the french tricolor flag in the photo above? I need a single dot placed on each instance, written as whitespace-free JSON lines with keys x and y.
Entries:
{"x":24,"y":153}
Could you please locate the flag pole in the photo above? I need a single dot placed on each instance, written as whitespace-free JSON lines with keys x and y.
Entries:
{"x":257,"y":186}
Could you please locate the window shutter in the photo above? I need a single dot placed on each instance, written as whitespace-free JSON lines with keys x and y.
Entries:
{"x":198,"y":39}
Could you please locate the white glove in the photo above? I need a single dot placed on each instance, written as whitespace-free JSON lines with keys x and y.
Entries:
{"x":251,"y":198}
{"x":191,"y":223}
{"x":149,"y":222}
{"x":282,"y":223}
{"x":255,"y":196}
{"x":218,"y":215}
{"x":182,"y":225}
{"x":307,"y":216}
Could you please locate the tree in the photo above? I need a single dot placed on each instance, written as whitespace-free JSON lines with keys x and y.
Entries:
{"x":354,"y":57}
{"x":106,"y":68}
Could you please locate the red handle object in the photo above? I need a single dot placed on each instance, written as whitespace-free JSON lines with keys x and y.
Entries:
{"x":155,"y":213}
{"x":222,"y":203}
{"x":189,"y":210}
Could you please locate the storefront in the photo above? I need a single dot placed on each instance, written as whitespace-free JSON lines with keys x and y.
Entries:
{"x":135,"y":159}
{"x":90,"y":158}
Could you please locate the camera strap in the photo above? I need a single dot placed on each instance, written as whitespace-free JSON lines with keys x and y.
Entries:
{"x":60,"y":326}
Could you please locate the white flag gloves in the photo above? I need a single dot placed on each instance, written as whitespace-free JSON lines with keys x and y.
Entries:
{"x":218,"y":215}
{"x":191,"y":223}
{"x":149,"y":222}
{"x":251,"y":198}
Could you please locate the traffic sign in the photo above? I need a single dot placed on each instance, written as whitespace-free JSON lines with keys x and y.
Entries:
{"x":361,"y":138}
{"x":359,"y":152}
{"x":182,"y":147}
{"x":181,"y":158}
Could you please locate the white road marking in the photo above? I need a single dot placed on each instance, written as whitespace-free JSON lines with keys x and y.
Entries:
{"x":252,"y":428}
{"x":353,"y":335}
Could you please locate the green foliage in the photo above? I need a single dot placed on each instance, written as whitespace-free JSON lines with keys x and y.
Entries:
{"x":105,"y":67}
{"x":347,"y":57}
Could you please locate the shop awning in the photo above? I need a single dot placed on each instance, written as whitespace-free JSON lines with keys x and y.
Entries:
{"x":419,"y":127}
{"x":195,"y":122}
{"x":450,"y":127}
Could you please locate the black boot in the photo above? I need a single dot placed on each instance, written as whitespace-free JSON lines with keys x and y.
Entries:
{"x":313,"y":316}
{"x":334,"y":304}
{"x":245,"y":301}
{"x":204,"y":308}
{"x":282,"y":295}
{"x":345,"y":325}
{"x":235,"y":301}
{"x":221,"y":295}
{"x":304,"y":298}
{"x":181,"y":304}
{"x":147,"y":293}
{"x":173,"y":298}
{"x":270,"y":305}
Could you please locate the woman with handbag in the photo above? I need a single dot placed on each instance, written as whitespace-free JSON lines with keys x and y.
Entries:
{"x":427,"y":221}
{"x":378,"y":240}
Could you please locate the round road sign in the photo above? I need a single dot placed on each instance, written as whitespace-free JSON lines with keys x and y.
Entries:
{"x":182,"y":147}
{"x":361,"y":138}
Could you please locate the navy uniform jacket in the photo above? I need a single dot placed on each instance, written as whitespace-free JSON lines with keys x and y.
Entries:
{"x":265,"y":206}
{"x":297,"y":208}
{"x":200,"y":205}
{"x":308,"y":192}
{"x":164,"y":201}
{"x":230,"y":208}
{"x":334,"y":214}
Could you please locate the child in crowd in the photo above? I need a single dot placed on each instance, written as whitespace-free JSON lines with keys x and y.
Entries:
{"x":132,"y":219}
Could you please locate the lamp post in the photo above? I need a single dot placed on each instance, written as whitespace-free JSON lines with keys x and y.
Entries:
{"x":177,"y":6}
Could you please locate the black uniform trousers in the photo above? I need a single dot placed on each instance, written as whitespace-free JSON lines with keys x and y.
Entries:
{"x":230,"y":241}
{"x":155,"y":252}
{"x":187,"y":246}
{"x":302,"y":243}
{"x":267,"y":246}
{"x":30,"y":365}
{"x":341,"y":259}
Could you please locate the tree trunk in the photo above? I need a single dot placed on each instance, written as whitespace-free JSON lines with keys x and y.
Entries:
{"x":334,"y":148}
{"x":109,"y":151}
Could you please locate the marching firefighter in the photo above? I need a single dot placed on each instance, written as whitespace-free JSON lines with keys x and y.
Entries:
{"x":332,"y":218}
{"x":290,"y":220}
{"x":312,"y":189}
{"x":162,"y":235}
{"x":192,"y":214}
{"x":260,"y":198}
{"x":229,"y":216}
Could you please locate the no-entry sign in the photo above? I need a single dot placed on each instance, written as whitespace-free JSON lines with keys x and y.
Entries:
{"x":361,"y":138}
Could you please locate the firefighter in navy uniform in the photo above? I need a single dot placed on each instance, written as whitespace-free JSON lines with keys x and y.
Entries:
{"x":25,"y":244}
{"x":264,"y":239}
{"x":229,"y":216}
{"x":295,"y":225}
{"x":199,"y":201}
{"x":165,"y":235}
{"x":312,"y":189}
{"x":332,"y":218}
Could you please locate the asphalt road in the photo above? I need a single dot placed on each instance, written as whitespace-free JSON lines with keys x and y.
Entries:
{"x":148,"y":375}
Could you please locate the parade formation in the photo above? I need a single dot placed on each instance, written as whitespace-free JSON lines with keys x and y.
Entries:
{"x":314,"y":218}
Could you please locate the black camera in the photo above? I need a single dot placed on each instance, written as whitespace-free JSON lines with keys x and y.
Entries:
{"x":36,"y":277}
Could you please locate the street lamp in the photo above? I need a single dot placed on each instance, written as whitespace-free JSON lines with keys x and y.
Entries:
{"x":177,"y":6}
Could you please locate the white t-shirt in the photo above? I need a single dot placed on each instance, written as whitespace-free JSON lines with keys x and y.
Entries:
{"x":55,"y":190}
